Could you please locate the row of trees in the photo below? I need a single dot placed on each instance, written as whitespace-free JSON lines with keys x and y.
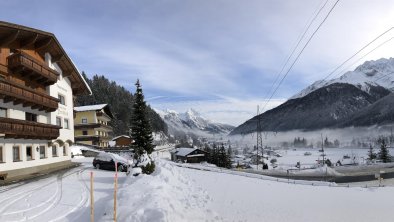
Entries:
{"x":218,"y":156}
{"x":383,"y":153}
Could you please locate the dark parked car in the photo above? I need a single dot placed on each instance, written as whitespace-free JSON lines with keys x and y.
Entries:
{"x":106,"y":161}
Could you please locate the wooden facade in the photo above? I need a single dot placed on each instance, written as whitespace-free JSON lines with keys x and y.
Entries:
{"x":35,"y":72}
{"x":188,"y":155}
{"x":122,"y":141}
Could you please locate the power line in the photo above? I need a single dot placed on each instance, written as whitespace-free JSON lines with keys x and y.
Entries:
{"x":348,"y":67}
{"x":302,"y":50}
{"x":347,"y":60}
{"x":296,"y":46}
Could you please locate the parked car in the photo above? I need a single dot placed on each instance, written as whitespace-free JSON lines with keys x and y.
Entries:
{"x":106,"y":161}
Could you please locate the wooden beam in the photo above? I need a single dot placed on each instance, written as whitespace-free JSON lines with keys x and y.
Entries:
{"x":57,"y":58}
{"x":9,"y":39}
{"x":17,"y":102}
{"x":35,"y":106}
{"x":29,"y":41}
{"x":43,"y":43}
{"x":8,"y":99}
{"x":67,"y":72}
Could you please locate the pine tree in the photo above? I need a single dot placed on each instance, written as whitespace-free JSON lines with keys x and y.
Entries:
{"x":371,"y":154}
{"x":140,"y":127}
{"x":384,"y":152}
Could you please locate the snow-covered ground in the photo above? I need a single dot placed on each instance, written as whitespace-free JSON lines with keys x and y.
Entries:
{"x":174,"y":193}
{"x":290,"y":157}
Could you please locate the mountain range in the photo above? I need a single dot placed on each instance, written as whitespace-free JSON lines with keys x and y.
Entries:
{"x":362,"y":97}
{"x":192,"y":122}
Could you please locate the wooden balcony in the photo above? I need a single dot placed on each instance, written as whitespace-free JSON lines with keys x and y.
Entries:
{"x":18,"y":94}
{"x":92,"y":126}
{"x":27,"y":66}
{"x":14,"y":128}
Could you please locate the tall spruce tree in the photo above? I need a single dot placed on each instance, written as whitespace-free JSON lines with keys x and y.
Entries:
{"x":371,"y":153}
{"x":140,"y":127}
{"x":384,"y":152}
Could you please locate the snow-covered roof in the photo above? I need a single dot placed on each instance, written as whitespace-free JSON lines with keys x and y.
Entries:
{"x":183,"y":151}
{"x":115,"y":138}
{"x":90,"y":107}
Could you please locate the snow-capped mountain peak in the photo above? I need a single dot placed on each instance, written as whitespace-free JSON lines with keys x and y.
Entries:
{"x":192,"y":121}
{"x":370,"y":73}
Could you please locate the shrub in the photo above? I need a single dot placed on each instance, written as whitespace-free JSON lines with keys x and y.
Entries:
{"x":149,"y":168}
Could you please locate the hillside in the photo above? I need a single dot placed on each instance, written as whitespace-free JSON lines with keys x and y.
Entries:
{"x":380,"y":112}
{"x":334,"y":103}
{"x":120,"y":101}
{"x":325,"y":107}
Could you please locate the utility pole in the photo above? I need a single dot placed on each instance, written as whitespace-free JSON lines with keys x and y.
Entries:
{"x":259,"y":136}
{"x":322,"y":147}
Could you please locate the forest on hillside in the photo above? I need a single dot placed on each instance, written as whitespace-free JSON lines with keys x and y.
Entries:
{"x":120,"y":101}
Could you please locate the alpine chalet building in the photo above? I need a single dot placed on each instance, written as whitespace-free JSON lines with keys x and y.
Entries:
{"x":38,"y":83}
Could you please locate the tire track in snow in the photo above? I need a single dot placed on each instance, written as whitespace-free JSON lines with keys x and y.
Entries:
{"x":84,"y":198}
{"x":52,"y":202}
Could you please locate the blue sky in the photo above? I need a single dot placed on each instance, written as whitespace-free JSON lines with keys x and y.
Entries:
{"x":219,"y":57}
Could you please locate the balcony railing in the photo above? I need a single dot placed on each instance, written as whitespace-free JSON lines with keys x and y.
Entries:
{"x":14,"y":128}
{"x":92,"y":126}
{"x":28,"y":97}
{"x":28,"y":66}
{"x":93,"y":138}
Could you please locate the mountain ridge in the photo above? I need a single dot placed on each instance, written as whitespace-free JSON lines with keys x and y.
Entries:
{"x":335,"y":103}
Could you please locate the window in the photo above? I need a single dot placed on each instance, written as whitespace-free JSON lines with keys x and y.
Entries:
{"x":1,"y":155}
{"x":16,"y":154}
{"x":54,"y":151}
{"x":31,"y":117}
{"x":64,"y":151}
{"x":84,"y":120}
{"x":29,"y":153}
{"x":3,"y":112}
{"x":42,"y":152}
{"x":58,"y":121}
{"x":62,"y":99}
{"x":66,"y":126}
{"x":85,"y":132}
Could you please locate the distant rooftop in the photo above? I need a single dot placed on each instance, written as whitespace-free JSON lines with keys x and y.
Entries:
{"x":94,"y":108}
{"x":90,"y":107}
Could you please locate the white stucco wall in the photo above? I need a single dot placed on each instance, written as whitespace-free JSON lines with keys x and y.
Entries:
{"x":9,"y":164}
{"x":18,"y":112}
{"x":63,"y":87}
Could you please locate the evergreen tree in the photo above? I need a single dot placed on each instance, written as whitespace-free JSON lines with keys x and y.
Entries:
{"x":215,"y":155}
{"x":384,"y":152}
{"x":371,"y":153}
{"x":140,"y":127}
{"x":120,"y":101}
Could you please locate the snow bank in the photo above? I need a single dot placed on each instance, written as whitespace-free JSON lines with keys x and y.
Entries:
{"x":166,"y":195}
{"x":320,"y":171}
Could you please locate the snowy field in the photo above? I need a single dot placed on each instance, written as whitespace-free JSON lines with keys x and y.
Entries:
{"x":290,"y":157}
{"x":179,"y":194}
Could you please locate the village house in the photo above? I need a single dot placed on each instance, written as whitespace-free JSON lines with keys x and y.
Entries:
{"x":38,"y":83}
{"x":91,"y":125}
{"x":188,"y":155}
{"x":122,"y":141}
